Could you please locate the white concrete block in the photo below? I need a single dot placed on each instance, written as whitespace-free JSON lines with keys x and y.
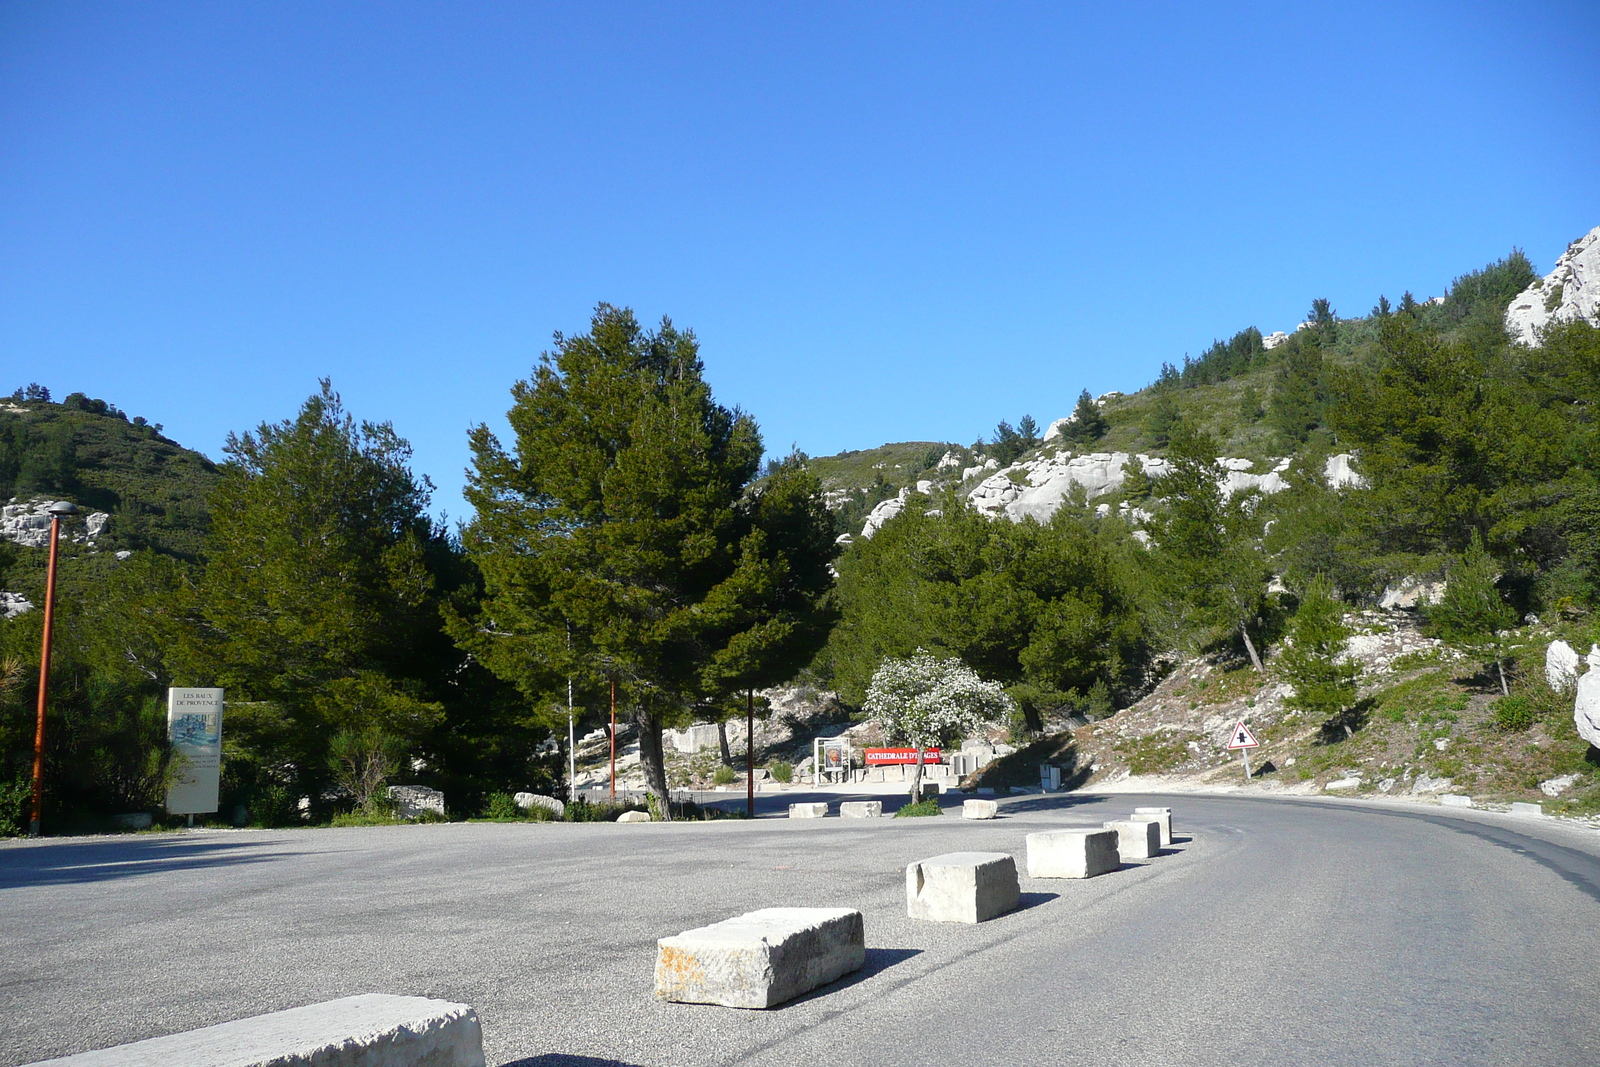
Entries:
{"x":979,"y":809}
{"x":634,"y":816}
{"x":1137,"y":839}
{"x":860,"y":809}
{"x":1519,"y":808}
{"x":1072,"y":853}
{"x":1455,"y":800}
{"x":1161,"y":815}
{"x":760,"y":959}
{"x":808,"y":811}
{"x":370,"y":1030}
{"x":962,"y":887}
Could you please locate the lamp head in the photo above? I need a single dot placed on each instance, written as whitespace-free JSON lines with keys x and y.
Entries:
{"x":63,"y":508}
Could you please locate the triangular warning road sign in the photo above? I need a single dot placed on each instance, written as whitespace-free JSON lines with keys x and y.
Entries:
{"x":1242,"y":737}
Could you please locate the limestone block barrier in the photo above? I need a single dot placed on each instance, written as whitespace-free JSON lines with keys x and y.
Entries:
{"x":1072,"y":853}
{"x":370,"y":1030}
{"x":413,"y":801}
{"x":529,"y":801}
{"x":1519,"y":808}
{"x":1455,"y":800}
{"x":1161,"y":815}
{"x":860,"y":809}
{"x":962,"y":887}
{"x":762,"y":958}
{"x":979,"y":809}
{"x":1137,"y":839}
{"x":634,"y":816}
{"x":818,"y":810}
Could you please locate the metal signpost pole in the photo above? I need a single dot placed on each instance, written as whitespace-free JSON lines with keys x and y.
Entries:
{"x":572,"y":750}
{"x":57,"y":511}
{"x":750,"y":754}
{"x":1244,"y":754}
{"x":613,"y":740}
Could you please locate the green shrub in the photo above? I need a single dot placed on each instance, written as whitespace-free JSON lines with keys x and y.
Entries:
{"x":781,"y":771}
{"x":501,"y":806}
{"x":921,"y":807}
{"x":1513,"y":714}
{"x":16,"y":798}
{"x":366,"y":818}
{"x":724,"y":775}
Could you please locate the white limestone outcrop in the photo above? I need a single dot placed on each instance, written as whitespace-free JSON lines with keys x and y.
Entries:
{"x":27,"y":523}
{"x":1571,"y":291}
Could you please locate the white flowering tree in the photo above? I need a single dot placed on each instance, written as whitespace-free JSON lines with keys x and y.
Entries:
{"x":926,"y":701}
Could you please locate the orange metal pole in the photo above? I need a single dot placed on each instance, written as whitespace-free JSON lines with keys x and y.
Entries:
{"x":613,"y":739}
{"x":44,"y":681}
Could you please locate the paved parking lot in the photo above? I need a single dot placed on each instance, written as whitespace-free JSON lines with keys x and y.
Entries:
{"x":1273,"y":932}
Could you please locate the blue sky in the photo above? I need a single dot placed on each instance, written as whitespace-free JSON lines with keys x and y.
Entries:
{"x":884,"y":221}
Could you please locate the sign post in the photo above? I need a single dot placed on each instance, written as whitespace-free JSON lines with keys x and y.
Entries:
{"x":1242,"y":739}
{"x":194,"y":728}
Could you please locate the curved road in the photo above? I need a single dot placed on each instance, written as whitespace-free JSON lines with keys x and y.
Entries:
{"x":1274,"y":932}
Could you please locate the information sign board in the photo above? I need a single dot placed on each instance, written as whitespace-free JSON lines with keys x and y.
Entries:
{"x":194,"y":728}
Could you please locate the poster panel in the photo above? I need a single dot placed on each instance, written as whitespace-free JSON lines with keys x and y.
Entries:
{"x":194,"y":728}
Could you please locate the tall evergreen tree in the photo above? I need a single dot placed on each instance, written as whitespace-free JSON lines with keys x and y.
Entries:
{"x":1208,"y":561}
{"x":620,"y":535}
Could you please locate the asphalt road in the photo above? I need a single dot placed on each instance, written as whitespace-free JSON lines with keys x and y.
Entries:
{"x":1274,"y":932}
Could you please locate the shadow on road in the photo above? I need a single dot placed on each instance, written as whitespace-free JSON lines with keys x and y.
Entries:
{"x":556,"y":1059}
{"x":102,"y":861}
{"x":1049,"y":802}
{"x":878,"y":961}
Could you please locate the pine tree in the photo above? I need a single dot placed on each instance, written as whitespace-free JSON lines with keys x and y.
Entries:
{"x":621,"y":540}
{"x":1323,"y":686}
{"x":1088,"y":425}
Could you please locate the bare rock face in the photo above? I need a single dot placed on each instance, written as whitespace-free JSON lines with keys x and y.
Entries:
{"x":27,"y":523}
{"x":1568,"y":293}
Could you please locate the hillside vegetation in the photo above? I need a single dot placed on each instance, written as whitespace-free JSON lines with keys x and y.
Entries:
{"x":1382,"y":631}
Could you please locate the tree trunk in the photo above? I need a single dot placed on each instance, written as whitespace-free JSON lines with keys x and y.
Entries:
{"x":722,"y":742}
{"x":651,"y":759}
{"x":1500,"y":665}
{"x":1250,"y":647}
{"x":916,"y":779}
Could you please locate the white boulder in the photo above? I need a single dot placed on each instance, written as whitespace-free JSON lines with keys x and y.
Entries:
{"x":1561,"y":666}
{"x":1586,"y":708}
{"x":1554,"y":787}
{"x":634,"y":816}
{"x":528,"y":801}
{"x":1569,"y":292}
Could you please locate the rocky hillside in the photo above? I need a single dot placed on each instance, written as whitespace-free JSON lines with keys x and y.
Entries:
{"x":136,"y":488}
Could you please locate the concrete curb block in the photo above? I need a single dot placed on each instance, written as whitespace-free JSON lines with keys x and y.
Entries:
{"x":861,"y":809}
{"x":1137,"y":839}
{"x":979,"y":809}
{"x":1161,"y":815}
{"x":962,"y":887}
{"x":762,"y":958}
{"x":370,"y":1030}
{"x":1072,"y":853}
{"x":808,"y":811}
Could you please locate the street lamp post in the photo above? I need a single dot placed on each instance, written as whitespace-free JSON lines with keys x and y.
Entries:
{"x":59,"y":510}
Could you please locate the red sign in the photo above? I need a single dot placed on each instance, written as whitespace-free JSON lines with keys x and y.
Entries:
{"x":881,"y":756}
